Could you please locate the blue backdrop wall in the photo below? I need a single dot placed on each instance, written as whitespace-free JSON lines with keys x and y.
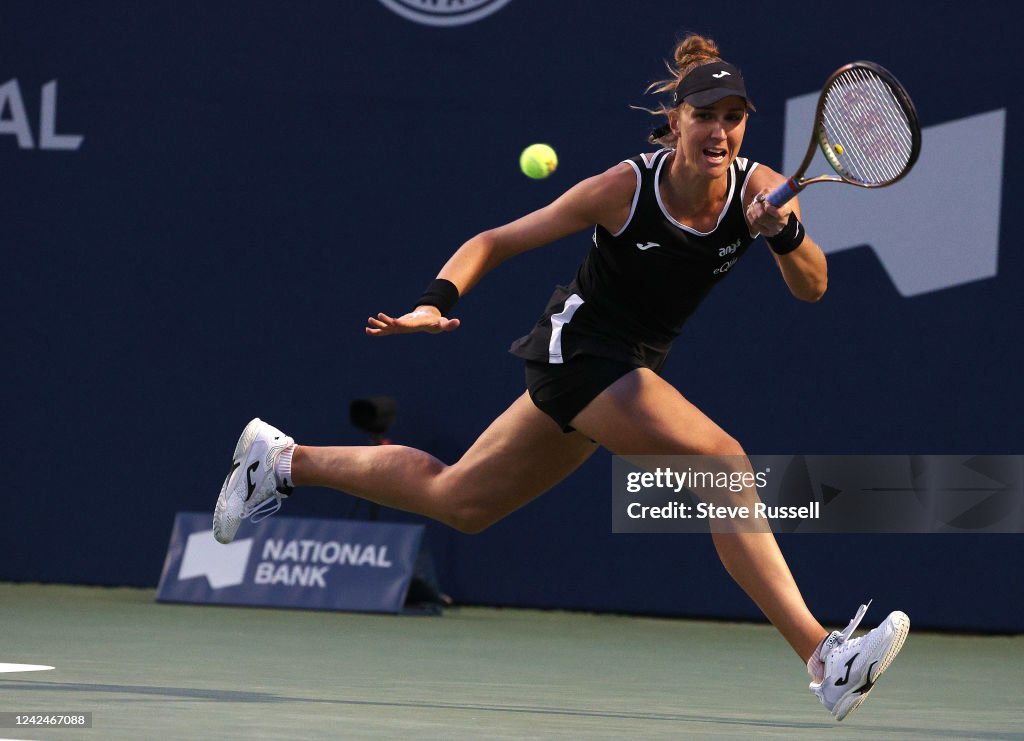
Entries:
{"x":203,"y":201}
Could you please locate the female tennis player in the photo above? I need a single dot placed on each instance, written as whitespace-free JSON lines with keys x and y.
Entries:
{"x":668,"y":227}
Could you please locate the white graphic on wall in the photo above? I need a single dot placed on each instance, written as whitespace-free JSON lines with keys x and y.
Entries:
{"x":222,"y":565}
{"x":938,"y":227}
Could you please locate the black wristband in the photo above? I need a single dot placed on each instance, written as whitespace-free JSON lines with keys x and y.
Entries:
{"x":791,"y":237}
{"x":440,"y":293}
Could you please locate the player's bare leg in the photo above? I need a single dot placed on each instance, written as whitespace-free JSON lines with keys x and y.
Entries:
{"x":641,"y":414}
{"x":518,"y":457}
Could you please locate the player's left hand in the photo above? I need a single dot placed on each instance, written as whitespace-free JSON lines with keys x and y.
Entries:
{"x":423,"y":319}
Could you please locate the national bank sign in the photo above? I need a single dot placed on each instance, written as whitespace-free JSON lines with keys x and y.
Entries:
{"x":292,"y":562}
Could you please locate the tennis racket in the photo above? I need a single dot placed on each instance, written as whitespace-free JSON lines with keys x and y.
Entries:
{"x":866,"y":127}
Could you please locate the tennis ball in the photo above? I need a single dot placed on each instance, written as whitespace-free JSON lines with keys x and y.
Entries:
{"x":538,"y":161}
{"x":839,"y":149}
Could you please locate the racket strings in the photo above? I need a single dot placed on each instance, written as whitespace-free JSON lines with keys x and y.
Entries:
{"x":864,"y":116}
{"x":864,"y":119}
{"x":864,"y":110}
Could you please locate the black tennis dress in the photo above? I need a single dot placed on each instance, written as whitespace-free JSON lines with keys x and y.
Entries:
{"x":632,"y":294}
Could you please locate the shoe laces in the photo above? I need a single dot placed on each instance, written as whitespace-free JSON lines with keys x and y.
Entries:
{"x":838,"y":640}
{"x":848,"y":631}
{"x":266,"y":508}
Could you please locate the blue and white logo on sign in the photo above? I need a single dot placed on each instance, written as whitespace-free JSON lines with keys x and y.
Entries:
{"x":293,"y":562}
{"x":444,"y":12}
{"x":222,"y":565}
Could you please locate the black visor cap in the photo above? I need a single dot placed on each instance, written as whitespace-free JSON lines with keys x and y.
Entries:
{"x":708,"y":84}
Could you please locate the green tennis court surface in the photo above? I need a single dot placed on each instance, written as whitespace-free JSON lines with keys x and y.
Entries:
{"x":154,"y":671}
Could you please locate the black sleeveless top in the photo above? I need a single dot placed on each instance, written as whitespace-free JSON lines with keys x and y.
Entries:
{"x":636,"y":288}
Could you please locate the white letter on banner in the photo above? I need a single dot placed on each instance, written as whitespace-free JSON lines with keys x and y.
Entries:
{"x":17,"y":124}
{"x":329,"y":552}
{"x":369,"y":556}
{"x":264,"y":572}
{"x":316,"y":576}
{"x":349,"y":554}
{"x":48,"y":136}
{"x":272,"y":549}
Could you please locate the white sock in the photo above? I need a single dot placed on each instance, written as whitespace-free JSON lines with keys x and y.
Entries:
{"x":283,"y":467}
{"x":816,"y":664}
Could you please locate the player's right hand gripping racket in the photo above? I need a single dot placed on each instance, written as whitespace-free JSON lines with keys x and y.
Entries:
{"x":867,"y":128}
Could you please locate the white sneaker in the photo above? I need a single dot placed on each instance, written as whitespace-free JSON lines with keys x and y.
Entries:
{"x":252,"y":481}
{"x":853,"y":665}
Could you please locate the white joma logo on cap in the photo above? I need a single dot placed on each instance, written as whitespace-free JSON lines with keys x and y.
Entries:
{"x":720,"y":75}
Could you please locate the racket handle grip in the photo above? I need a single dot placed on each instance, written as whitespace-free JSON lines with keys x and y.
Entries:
{"x":784,"y":193}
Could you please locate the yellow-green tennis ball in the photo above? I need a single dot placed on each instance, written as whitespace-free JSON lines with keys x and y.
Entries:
{"x":839,"y":149}
{"x":538,"y":161}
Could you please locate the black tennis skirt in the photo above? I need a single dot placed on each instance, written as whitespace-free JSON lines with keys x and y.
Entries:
{"x":563,"y":390}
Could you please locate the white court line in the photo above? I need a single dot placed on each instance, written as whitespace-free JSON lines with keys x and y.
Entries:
{"x":23,"y":668}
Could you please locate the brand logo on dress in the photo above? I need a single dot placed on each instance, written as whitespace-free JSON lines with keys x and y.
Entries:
{"x":729,"y":249}
{"x":720,"y":75}
{"x":444,"y":12}
{"x":647,"y":246}
{"x":725,"y":267}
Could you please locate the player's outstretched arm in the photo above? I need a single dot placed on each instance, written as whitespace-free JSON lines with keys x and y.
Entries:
{"x":603,"y":199}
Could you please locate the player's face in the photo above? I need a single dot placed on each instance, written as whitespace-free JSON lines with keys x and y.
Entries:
{"x":710,"y":137}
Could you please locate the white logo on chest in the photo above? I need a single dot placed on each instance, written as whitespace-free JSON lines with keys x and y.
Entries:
{"x":729,"y":249}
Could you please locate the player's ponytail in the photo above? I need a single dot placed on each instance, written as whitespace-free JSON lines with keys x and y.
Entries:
{"x":692,"y":52}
